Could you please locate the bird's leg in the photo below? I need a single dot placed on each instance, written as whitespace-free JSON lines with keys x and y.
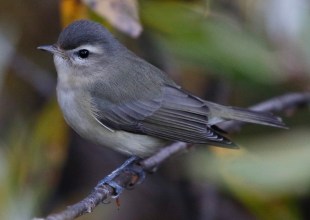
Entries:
{"x":128,"y":166}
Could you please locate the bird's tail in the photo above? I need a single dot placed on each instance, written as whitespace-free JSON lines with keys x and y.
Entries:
{"x":245,"y":115}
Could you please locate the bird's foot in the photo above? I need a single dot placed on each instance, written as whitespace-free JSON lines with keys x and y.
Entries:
{"x":130,"y":166}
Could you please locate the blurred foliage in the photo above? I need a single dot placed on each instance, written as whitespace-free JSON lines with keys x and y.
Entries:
{"x":265,"y":180}
{"x":237,"y":52}
{"x":220,"y":45}
{"x":72,"y":10}
{"x":26,"y":152}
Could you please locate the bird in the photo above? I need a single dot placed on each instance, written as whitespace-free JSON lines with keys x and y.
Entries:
{"x":114,"y":98}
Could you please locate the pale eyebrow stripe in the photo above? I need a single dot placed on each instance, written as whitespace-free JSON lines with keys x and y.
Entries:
{"x":88,"y":47}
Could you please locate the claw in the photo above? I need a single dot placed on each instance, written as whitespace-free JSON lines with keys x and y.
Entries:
{"x":129,"y":165}
{"x":117,"y":189}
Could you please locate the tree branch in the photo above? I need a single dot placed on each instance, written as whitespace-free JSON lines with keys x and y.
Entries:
{"x":126,"y":179}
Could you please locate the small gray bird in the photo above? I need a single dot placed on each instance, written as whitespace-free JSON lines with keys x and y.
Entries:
{"x":112,"y":97}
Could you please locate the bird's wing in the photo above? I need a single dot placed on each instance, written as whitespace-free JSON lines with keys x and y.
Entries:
{"x":172,"y":114}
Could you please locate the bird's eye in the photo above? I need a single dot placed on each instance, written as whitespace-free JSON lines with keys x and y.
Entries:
{"x":83,"y":53}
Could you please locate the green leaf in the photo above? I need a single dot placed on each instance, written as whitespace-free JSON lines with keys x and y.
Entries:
{"x":220,"y":45}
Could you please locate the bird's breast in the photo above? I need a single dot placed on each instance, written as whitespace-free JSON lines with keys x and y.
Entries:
{"x":76,"y":108}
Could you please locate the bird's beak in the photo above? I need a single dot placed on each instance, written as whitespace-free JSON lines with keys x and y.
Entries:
{"x":49,"y":48}
{"x":53,"y":49}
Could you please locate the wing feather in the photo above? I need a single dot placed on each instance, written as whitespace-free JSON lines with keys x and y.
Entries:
{"x":173,"y":115}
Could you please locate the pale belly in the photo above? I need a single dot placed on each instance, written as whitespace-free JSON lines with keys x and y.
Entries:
{"x":78,"y":115}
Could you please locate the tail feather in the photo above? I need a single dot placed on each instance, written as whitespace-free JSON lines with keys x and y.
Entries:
{"x":245,"y":115}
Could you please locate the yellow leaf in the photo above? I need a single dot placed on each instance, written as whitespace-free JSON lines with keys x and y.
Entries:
{"x":52,"y":132}
{"x":72,"y":10}
{"x":122,"y":14}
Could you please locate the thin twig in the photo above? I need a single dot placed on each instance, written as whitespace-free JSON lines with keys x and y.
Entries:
{"x":100,"y":194}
